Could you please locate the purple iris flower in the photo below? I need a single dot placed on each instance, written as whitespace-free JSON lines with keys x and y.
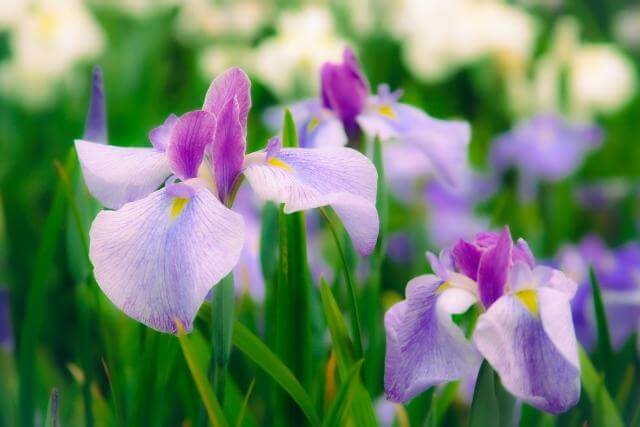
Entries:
{"x":618,"y":273}
{"x":6,"y":338}
{"x":160,"y":250}
{"x":419,"y":145}
{"x":525,"y":330}
{"x":545,"y":147}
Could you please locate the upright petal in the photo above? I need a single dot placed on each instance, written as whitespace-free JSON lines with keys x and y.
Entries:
{"x":118,"y":175}
{"x":157,"y":258}
{"x":227,"y":150}
{"x":233,"y":83}
{"x":424,"y":346}
{"x":466,"y":257}
{"x":534,"y":354}
{"x":306,"y":178}
{"x":344,"y":89}
{"x":95,"y":128}
{"x":159,"y":136}
{"x":190,"y":136}
{"x":493,"y":269}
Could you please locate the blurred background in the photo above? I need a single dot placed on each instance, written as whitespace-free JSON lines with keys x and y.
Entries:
{"x":492,"y":63}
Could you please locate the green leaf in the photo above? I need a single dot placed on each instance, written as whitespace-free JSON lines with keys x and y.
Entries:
{"x":289,"y":131}
{"x":353,"y":298}
{"x":340,"y":408}
{"x":51,"y":419}
{"x":382,"y":200}
{"x":211,"y":404}
{"x":363,"y":412}
{"x":222,"y":311}
{"x":605,"y":349}
{"x":255,"y":349}
{"x":245,"y":403}
{"x":484,"y":407}
{"x":603,"y":408}
{"x":36,"y":301}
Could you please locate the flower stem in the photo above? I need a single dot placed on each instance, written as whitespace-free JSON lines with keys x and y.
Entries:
{"x":353,"y":300}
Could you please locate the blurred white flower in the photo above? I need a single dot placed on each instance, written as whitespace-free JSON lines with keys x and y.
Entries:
{"x":601,"y":80}
{"x":627,"y":27}
{"x":11,"y":11}
{"x":219,"y":57}
{"x":241,"y":18}
{"x":46,"y":41}
{"x":289,"y":62}
{"x":441,"y":36}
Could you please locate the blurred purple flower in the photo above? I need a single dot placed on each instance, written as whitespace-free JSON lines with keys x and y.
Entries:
{"x":618,"y":273}
{"x":6,"y":338}
{"x":525,"y":332}
{"x":545,"y":147}
{"x":419,"y":145}
{"x":157,"y":255}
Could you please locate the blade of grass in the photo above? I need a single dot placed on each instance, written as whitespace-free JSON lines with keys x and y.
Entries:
{"x":363,"y":412}
{"x":51,"y":419}
{"x":254,"y":349}
{"x":32,"y":324}
{"x":604,"y":409}
{"x":211,"y":404}
{"x":353,"y":298}
{"x":605,"y":349}
{"x":245,"y":403}
{"x":222,"y":310}
{"x":340,"y":408}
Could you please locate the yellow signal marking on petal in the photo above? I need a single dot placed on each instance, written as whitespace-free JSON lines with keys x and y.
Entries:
{"x":443,"y":287}
{"x":274,"y":161}
{"x":313,"y":123}
{"x":529,"y":298}
{"x":177,"y":206}
{"x":387,"y":111}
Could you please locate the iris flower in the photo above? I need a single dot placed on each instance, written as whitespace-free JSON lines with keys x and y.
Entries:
{"x":419,"y":145}
{"x":525,"y":330}
{"x":158,"y":250}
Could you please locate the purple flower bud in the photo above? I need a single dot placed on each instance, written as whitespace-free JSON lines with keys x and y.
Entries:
{"x":345,"y":90}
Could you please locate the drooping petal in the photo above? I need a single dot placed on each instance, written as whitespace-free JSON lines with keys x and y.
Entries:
{"x":233,"y":83}
{"x":157,"y":258}
{"x":118,"y":175}
{"x":95,"y":128}
{"x":493,"y":269}
{"x":533,"y":348}
{"x":305,"y":178}
{"x":227,"y":150}
{"x":424,"y":346}
{"x":159,"y":136}
{"x":444,"y":143}
{"x":191,"y":135}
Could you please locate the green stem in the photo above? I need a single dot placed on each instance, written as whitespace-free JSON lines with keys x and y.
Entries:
{"x":222,"y":309}
{"x":353,"y":303}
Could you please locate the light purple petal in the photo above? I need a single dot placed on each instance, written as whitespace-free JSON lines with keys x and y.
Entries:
{"x":156,"y":261}
{"x":308,"y":178}
{"x":160,"y":135}
{"x":535,"y":356}
{"x":227,"y":150}
{"x":424,"y":346}
{"x":233,"y":83}
{"x":118,"y":175}
{"x":493,"y":269}
{"x":444,"y":143}
{"x":95,"y":128}
{"x":191,"y":135}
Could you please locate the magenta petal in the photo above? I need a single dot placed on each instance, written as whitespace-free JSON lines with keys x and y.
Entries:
{"x":467,"y":258}
{"x":494,"y":269}
{"x":227,"y":150}
{"x":232,"y":83}
{"x":189,"y":138}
